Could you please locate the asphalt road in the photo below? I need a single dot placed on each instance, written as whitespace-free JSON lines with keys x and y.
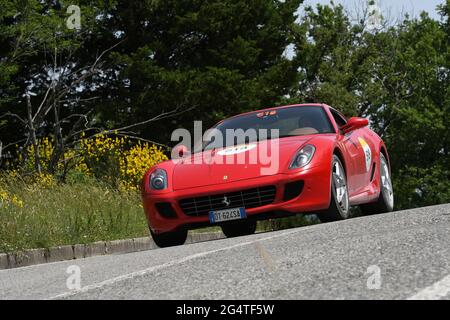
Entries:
{"x":401,"y":255}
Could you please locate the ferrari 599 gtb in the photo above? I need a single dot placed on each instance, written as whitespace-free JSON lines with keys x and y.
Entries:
{"x":311,"y":160}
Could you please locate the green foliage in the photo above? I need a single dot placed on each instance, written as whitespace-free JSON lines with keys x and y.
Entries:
{"x":34,"y":37}
{"x":411,"y":110}
{"x":328,"y":58}
{"x":399,"y":78}
{"x":220,"y":57}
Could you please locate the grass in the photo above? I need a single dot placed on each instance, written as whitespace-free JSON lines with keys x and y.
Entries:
{"x":81,"y":212}
{"x":69,"y":214}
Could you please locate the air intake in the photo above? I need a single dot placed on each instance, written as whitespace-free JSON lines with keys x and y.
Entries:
{"x":293,"y":190}
{"x":166,"y":210}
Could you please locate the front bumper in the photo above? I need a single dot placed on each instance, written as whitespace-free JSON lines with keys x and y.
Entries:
{"x":315,"y":196}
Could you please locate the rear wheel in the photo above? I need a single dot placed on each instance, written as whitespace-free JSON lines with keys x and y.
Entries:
{"x":339,"y":205}
{"x":241,"y":228}
{"x":169,"y":239}
{"x":385,"y":202}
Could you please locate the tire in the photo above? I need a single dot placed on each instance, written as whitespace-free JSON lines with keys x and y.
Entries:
{"x":239,"y":229}
{"x":385,"y":202}
{"x":169,"y":239}
{"x":339,"y":208}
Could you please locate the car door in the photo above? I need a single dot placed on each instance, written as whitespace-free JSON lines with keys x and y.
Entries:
{"x":361,"y":151}
{"x":366,"y":163}
{"x":355,"y":155}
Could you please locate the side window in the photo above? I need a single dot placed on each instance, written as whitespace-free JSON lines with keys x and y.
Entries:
{"x":338,"y":118}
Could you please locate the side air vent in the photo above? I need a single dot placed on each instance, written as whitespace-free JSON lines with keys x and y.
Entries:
{"x":373,"y":172}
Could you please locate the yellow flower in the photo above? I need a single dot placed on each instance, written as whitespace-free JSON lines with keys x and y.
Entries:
{"x":117,"y":160}
{"x":7,"y":199}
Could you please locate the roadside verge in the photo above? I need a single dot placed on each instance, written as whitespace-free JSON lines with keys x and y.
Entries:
{"x":80,"y":251}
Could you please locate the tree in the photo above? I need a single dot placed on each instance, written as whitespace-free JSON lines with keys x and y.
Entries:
{"x":44,"y":75}
{"x":398,"y":77}
{"x":217,"y":57}
{"x":207,"y":59}
{"x":331,"y":56}
{"x":412,"y":110}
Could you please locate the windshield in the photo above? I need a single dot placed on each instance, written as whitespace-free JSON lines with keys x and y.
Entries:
{"x":279,"y":123}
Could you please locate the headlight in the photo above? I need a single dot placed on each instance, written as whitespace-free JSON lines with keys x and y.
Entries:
{"x":303,"y":157}
{"x":158,"y":180}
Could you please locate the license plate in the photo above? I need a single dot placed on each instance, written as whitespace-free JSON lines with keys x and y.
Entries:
{"x":227,"y":215}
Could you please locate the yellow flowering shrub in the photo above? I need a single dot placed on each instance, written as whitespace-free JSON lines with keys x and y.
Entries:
{"x":116,"y":160}
{"x":46,"y":148}
{"x":120,"y":162}
{"x":136,"y":161}
{"x":7,"y":199}
{"x":44,"y":180}
{"x":45,"y":153}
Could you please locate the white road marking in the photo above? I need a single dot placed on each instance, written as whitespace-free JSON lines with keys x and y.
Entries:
{"x":165,"y":265}
{"x":436,"y":291}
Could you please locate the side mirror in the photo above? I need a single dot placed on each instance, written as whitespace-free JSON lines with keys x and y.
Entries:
{"x":354,"y":124}
{"x":180,"y":151}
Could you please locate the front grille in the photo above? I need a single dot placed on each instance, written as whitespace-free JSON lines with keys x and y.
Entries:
{"x":251,"y":198}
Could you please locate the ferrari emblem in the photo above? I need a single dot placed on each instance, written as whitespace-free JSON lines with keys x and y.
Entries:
{"x":225,"y":201}
{"x":225,"y":177}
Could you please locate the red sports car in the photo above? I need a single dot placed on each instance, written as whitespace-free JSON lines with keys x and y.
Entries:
{"x":316,"y":162}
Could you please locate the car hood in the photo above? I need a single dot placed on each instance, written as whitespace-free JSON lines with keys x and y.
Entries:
{"x":220,"y":166}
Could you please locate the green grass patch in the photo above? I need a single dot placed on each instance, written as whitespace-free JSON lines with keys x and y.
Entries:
{"x":68,"y":214}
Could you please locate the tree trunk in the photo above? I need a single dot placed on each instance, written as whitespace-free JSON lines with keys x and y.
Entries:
{"x":32,"y":133}
{"x":58,"y":151}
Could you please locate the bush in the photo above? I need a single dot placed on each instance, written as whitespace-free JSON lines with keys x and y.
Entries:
{"x":119,"y":162}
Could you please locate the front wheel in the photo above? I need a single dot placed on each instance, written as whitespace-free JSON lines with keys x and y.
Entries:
{"x":385,"y":201}
{"x":239,"y":229}
{"x":339,"y":205}
{"x":169,"y":239}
